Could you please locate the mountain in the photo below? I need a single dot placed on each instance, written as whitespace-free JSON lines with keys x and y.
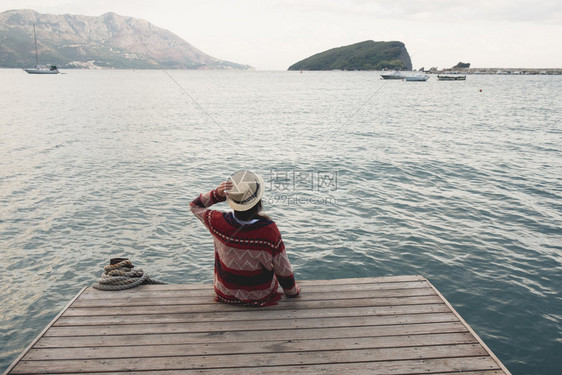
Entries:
{"x":107,"y":41}
{"x":368,"y":55}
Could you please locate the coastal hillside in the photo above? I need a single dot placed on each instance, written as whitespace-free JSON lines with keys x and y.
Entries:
{"x":107,"y":41}
{"x":368,"y":55}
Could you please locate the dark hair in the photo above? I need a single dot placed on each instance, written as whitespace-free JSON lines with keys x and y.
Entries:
{"x":253,"y":213}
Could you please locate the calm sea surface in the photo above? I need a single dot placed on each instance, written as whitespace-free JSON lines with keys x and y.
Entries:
{"x":460,"y":182}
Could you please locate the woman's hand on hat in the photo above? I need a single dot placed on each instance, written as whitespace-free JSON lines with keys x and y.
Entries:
{"x":223,"y":188}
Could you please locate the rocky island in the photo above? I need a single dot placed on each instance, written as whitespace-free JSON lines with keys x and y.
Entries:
{"x":107,"y":41}
{"x":367,"y":55}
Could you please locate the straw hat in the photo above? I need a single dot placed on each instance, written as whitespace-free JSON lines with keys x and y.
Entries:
{"x":247,"y":190}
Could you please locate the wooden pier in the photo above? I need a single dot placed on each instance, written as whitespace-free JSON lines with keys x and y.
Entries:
{"x":388,"y":325}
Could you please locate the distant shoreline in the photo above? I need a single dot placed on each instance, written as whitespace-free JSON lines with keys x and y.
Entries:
{"x":476,"y":71}
{"x":502,"y":71}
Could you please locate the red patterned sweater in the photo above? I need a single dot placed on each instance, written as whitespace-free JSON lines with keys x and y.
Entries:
{"x":250,"y":259}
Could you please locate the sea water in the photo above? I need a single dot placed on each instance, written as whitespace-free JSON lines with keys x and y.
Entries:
{"x":460,"y":182}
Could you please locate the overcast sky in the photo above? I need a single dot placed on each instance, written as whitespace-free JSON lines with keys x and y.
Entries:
{"x":273,"y":34}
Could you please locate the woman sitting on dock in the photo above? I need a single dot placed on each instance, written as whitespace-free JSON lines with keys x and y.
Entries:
{"x":250,"y":257}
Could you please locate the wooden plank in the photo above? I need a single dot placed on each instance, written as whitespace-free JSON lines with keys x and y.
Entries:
{"x":307,"y":283}
{"x":250,"y":336}
{"x":145,"y":291}
{"x":293,"y":305}
{"x":245,"y":315}
{"x":353,"y":321}
{"x":253,"y":360}
{"x":159,"y":349}
{"x":318,"y":369}
{"x":466,"y":366}
{"x":365,"y":280}
{"x":209,"y":298}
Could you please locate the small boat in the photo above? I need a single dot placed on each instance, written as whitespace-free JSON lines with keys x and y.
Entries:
{"x":393,"y":75}
{"x":40,"y":69}
{"x":417,"y":78}
{"x":451,"y":77}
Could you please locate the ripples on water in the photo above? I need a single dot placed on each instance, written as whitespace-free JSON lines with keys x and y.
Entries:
{"x":440,"y":179}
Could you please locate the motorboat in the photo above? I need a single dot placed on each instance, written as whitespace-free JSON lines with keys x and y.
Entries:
{"x":393,"y":75}
{"x":451,"y":77}
{"x":417,"y":78}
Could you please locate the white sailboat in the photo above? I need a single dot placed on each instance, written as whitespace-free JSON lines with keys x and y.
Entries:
{"x":40,"y":69}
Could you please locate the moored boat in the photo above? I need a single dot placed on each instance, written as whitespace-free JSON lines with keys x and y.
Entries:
{"x":393,"y":75}
{"x":451,"y":77}
{"x":417,"y":78}
{"x":40,"y":69}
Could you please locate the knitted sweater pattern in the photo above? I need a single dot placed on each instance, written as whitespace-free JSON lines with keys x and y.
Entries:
{"x":250,"y":260}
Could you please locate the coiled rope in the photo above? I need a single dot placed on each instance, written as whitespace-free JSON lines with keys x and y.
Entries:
{"x":121,"y":274}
